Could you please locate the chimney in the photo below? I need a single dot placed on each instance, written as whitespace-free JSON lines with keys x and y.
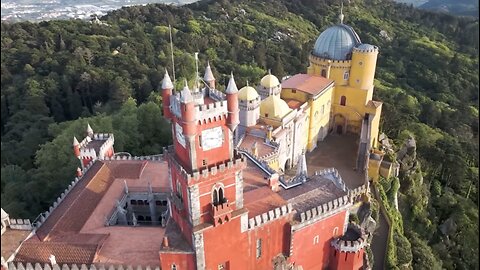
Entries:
{"x":165,"y":241}
{"x":79,"y":172}
{"x":273,"y":182}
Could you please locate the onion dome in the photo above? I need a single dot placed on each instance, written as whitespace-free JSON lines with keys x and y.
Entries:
{"x":247,"y":93}
{"x":336,"y":43}
{"x":274,"y":107}
{"x":269,"y":81}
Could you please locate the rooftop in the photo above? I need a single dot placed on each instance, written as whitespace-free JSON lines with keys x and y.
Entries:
{"x":262,"y":147}
{"x":309,"y":84}
{"x":11,"y":240}
{"x":316,"y":191}
{"x":77,"y":227}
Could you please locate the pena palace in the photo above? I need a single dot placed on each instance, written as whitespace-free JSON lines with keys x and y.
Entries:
{"x":261,"y":177}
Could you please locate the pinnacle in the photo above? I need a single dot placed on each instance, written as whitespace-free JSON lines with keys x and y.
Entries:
{"x":232,"y":86}
{"x":167,"y":82}
{"x":75,"y":141}
{"x":208,"y":77}
{"x":89,"y":129}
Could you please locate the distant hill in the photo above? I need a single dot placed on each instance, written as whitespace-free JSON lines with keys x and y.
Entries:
{"x":456,"y":7}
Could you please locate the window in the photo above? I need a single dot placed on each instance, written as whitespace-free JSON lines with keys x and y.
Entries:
{"x":335,"y":232}
{"x":140,"y":202}
{"x":316,"y":239}
{"x":324,"y":73}
{"x":174,"y":267}
{"x":204,"y":162}
{"x":322,"y":111}
{"x":346,"y":75}
{"x":133,"y":202}
{"x":294,"y":91}
{"x":179,"y":190}
{"x":218,"y":196}
{"x":360,"y":63}
{"x":158,"y":203}
{"x":221,"y":266}
{"x":266,"y":115}
{"x":343,"y":100}
{"x":259,"y":248}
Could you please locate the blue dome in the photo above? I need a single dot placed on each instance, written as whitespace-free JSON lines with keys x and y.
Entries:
{"x":336,"y":43}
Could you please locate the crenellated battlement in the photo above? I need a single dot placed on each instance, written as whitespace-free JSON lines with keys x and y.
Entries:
{"x":91,"y":153}
{"x":20,"y":224}
{"x":159,"y":157}
{"x":233,"y":164}
{"x":355,"y":194}
{"x":332,"y":174}
{"x":271,"y":215}
{"x":43,"y":216}
{"x":47,"y":266}
{"x":371,"y":50}
{"x":350,"y":245}
{"x":323,"y":210}
{"x":211,"y":111}
{"x":327,"y":62}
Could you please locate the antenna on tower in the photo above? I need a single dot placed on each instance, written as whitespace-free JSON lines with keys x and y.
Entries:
{"x":341,"y":16}
{"x":196,"y":70}
{"x":171,"y":50}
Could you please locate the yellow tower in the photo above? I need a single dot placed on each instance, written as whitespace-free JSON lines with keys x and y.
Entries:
{"x":339,"y":55}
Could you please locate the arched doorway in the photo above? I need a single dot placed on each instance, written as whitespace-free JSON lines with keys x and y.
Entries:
{"x":324,"y":73}
{"x":343,"y":101}
{"x":339,"y":124}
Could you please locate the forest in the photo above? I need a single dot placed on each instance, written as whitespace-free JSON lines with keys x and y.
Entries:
{"x":57,"y":76}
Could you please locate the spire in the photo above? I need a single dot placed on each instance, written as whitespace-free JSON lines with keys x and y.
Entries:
{"x":186,"y":95}
{"x":302,"y":165}
{"x":167,"y":82}
{"x":75,"y":141}
{"x":89,"y":131}
{"x":232,"y":86}
{"x":208,"y":77}
{"x":341,"y":16}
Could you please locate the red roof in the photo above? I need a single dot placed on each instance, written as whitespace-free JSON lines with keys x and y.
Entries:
{"x":65,"y":253}
{"x":309,"y":84}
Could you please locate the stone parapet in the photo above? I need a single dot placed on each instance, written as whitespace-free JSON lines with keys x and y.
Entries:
{"x":43,"y":216}
{"x":271,"y":215}
{"x":350,"y":245}
{"x":324,"y":210}
{"x":47,"y":266}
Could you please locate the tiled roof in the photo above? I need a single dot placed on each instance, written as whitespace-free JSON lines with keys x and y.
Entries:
{"x":70,"y":210}
{"x":316,"y":191}
{"x":126,"y":169}
{"x":65,"y":253}
{"x":374,"y":104}
{"x":309,"y":84}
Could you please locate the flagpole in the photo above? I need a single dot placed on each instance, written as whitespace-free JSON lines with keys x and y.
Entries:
{"x":171,"y":50}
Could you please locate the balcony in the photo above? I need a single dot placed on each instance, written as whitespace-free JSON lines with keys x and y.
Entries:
{"x":221,"y":213}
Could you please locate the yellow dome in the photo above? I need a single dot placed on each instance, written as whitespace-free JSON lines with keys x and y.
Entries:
{"x":269,"y":81}
{"x":274,"y":107}
{"x":247,"y":93}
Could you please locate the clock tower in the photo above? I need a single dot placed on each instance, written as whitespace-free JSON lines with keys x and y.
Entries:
{"x":204,"y":169}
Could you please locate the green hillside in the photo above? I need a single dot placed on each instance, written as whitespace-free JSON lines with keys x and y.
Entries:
{"x":56,"y":76}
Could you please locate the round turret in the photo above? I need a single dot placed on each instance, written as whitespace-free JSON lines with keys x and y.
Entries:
{"x":248,"y":93}
{"x":269,"y":81}
{"x":348,"y":250}
{"x":167,"y":88}
{"x":232,"y":104}
{"x":269,"y":85}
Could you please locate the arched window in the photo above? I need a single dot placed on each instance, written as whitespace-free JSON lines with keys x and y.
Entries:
{"x":343,"y":100}
{"x":335,"y":232}
{"x":220,"y":195}
{"x":324,"y":73}
{"x":215,"y":197}
{"x":174,"y":267}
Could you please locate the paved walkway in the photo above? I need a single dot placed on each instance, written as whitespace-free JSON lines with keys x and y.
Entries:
{"x":379,"y":242}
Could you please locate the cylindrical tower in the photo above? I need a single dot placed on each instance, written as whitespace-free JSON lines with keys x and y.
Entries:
{"x":249,"y":104}
{"x":76,"y":147}
{"x":167,"y":88}
{"x":364,"y":61}
{"x":348,"y":250}
{"x":232,"y":104}
{"x":187,"y":106}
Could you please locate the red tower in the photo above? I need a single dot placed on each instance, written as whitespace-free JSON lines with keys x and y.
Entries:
{"x":348,"y":250}
{"x":167,"y":88}
{"x":76,"y":147}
